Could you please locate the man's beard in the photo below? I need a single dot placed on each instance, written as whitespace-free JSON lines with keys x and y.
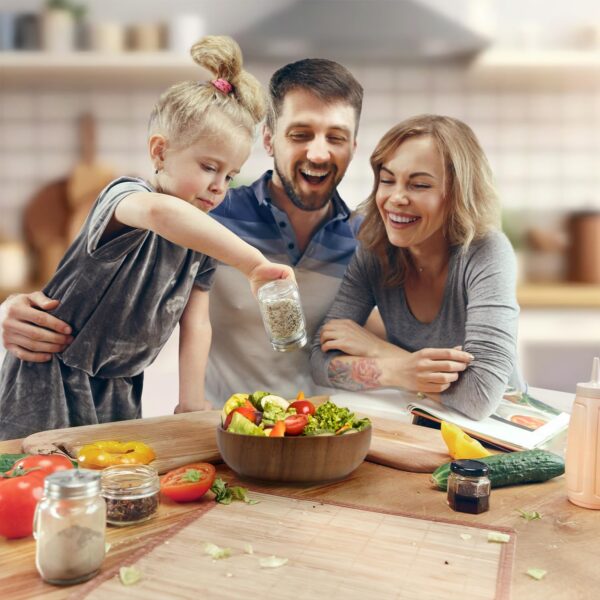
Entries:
{"x":304,"y":203}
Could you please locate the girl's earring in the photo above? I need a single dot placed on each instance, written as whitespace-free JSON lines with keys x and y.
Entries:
{"x":156,"y":171}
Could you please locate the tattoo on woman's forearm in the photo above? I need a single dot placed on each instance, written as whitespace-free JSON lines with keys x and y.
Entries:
{"x":357,"y":375}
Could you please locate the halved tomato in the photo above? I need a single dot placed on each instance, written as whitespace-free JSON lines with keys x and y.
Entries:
{"x":295,"y":424}
{"x":303,"y":407}
{"x":188,"y":483}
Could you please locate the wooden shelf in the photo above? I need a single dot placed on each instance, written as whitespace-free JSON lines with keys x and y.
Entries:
{"x":537,"y":67}
{"x":558,"y":295}
{"x":85,"y":68}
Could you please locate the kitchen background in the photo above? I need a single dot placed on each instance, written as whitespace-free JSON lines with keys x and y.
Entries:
{"x":78,"y":80}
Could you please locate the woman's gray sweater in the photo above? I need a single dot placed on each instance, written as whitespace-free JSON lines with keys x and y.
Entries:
{"x":479,"y":312}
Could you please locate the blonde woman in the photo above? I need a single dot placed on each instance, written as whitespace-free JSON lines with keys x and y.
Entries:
{"x":434,"y":262}
{"x":139,"y":264}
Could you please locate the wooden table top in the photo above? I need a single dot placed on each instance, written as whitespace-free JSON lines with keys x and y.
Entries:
{"x":565,"y":542}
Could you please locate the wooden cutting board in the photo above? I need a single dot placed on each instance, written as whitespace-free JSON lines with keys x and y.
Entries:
{"x":188,"y":437}
{"x":333,"y":551}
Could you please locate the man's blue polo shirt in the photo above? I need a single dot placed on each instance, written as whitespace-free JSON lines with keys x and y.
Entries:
{"x":241,"y":358}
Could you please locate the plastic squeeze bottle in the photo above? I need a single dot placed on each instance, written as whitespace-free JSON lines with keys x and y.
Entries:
{"x":583,"y":443}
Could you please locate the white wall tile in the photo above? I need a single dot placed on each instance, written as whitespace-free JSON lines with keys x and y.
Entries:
{"x":412,"y":79}
{"x":58,"y":135}
{"x":19,"y":165}
{"x":513,"y":106}
{"x":450,"y":104}
{"x":55,"y":164}
{"x":18,"y":135}
{"x":482,"y":106}
{"x":545,"y":107}
{"x":411,"y":104}
{"x":543,"y":136}
{"x":17,"y":105}
{"x":579,"y":166}
{"x":575,"y":106}
{"x":111,"y":105}
{"x":544,"y":166}
{"x":62,"y":105}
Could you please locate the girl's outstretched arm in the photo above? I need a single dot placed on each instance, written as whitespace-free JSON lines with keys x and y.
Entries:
{"x":185,"y":225}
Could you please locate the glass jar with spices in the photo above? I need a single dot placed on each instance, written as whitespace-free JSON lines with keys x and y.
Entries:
{"x":131,"y":493}
{"x":69,"y":527}
{"x":282,"y":314}
{"x":469,"y":486}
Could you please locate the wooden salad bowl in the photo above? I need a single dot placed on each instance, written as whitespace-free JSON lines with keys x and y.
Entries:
{"x":294,"y":458}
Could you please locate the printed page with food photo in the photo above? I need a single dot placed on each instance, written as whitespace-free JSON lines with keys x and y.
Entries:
{"x":520,"y":422}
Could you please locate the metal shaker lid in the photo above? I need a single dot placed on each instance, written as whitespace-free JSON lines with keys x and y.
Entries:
{"x":591,"y":388}
{"x":72,"y":483}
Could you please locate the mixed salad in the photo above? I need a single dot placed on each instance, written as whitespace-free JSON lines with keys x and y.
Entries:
{"x":265,"y":414}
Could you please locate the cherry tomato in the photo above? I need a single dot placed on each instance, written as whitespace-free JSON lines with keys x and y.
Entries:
{"x":303,"y":407}
{"x":19,"y":496}
{"x":188,"y":483}
{"x":245,"y":411}
{"x":295,"y":424}
{"x":47,"y":463}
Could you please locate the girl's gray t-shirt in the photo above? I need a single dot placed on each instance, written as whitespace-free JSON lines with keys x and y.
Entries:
{"x":479,"y":312}
{"x":123,"y":298}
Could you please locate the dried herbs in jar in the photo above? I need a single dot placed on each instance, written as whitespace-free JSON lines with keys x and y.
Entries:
{"x":131,"y":493}
{"x":282,"y":314}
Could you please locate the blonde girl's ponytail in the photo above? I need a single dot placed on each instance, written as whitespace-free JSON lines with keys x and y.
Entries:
{"x":231,"y":96}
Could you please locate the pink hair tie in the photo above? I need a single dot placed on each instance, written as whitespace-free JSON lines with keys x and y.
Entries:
{"x":223,"y":85}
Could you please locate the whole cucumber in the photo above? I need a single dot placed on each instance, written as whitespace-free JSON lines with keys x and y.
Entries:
{"x":512,"y":468}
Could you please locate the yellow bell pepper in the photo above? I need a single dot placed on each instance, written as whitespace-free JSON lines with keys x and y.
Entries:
{"x":461,"y":445}
{"x":108,"y":453}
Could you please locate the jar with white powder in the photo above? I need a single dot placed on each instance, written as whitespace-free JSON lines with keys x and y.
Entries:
{"x":69,"y":527}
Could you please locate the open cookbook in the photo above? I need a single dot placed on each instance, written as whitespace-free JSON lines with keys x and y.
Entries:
{"x":519,"y":423}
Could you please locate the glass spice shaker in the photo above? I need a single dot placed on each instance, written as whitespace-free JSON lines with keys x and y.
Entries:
{"x":131,"y":493}
{"x":282,"y":314}
{"x":69,"y":527}
{"x":469,"y":486}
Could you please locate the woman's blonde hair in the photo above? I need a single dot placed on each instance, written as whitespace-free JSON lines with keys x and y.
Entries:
{"x":472,"y":206}
{"x":191,"y":109}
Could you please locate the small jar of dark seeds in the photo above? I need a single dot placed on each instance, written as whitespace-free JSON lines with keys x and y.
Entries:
{"x":282,"y":314}
{"x":131,"y":493}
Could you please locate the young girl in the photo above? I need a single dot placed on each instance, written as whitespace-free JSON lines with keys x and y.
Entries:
{"x":129,"y":277}
{"x":433,"y":260}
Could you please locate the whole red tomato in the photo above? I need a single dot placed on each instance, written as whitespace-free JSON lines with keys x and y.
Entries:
{"x":245,"y":411}
{"x":188,"y":483}
{"x":47,"y":463}
{"x":19,"y":496}
{"x":303,"y":407}
{"x":295,"y":424}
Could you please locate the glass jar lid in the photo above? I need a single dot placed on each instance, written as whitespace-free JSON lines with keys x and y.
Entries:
{"x":72,"y":483}
{"x":469,"y":468}
{"x":129,"y":481}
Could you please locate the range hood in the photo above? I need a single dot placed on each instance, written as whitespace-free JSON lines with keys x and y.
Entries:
{"x":359,"y":31}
